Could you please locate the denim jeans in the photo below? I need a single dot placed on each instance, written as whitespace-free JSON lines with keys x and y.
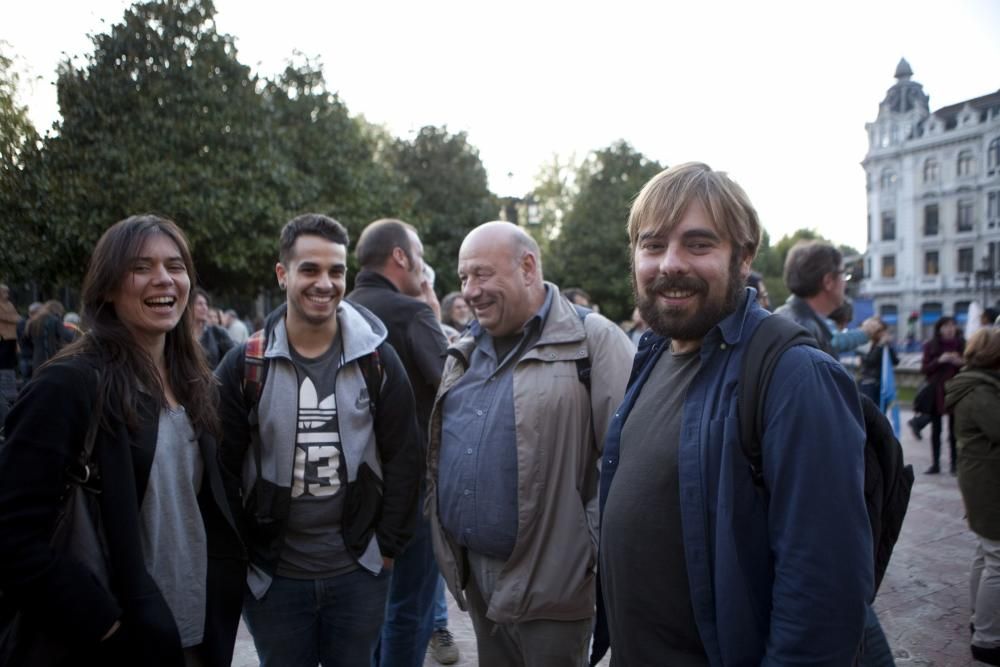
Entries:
{"x":440,"y":605}
{"x":409,"y":613}
{"x":875,"y":651}
{"x":334,"y":622}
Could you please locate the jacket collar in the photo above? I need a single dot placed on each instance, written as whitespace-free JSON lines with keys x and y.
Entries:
{"x":369,"y":278}
{"x":360,"y":331}
{"x":560,"y":324}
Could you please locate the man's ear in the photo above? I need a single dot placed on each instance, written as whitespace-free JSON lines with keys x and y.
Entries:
{"x":529,"y":266}
{"x":399,"y":256}
{"x":281,"y":274}
{"x":745,"y":262}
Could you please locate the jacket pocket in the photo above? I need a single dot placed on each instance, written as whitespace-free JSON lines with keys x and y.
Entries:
{"x":362,"y":510}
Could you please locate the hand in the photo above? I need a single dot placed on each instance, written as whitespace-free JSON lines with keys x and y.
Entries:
{"x":428,"y":296}
{"x":871,"y":327}
{"x":952,"y":358}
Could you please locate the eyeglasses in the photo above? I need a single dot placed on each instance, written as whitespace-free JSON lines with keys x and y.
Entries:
{"x":847,"y":275}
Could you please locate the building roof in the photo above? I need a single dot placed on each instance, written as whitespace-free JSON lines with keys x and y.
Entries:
{"x":982,"y":104}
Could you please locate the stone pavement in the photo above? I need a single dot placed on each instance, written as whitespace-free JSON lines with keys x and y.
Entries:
{"x":923,"y":602}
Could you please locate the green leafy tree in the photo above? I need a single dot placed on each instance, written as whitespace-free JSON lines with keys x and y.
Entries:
{"x":331,"y":153}
{"x":18,"y":140}
{"x":163,"y":117}
{"x":592,"y":250}
{"x":555,"y":190}
{"x":446,"y":195}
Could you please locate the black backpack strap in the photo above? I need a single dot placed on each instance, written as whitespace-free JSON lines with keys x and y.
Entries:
{"x":770,"y":339}
{"x":583,"y":365}
{"x":374,"y":373}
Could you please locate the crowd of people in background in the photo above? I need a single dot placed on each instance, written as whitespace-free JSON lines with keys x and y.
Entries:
{"x":331,"y":470}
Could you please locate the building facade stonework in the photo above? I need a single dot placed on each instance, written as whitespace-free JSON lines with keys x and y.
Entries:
{"x":933,"y":181}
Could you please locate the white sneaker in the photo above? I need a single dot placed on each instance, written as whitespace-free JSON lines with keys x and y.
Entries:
{"x":443,"y":647}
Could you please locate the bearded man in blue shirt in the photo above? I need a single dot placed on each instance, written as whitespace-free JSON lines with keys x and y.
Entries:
{"x":698,"y":565}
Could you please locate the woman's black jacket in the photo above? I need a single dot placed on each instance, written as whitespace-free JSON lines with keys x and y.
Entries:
{"x":46,"y":430}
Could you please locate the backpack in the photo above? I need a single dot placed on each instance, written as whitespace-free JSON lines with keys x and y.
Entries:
{"x":255,"y":372}
{"x":887,"y":480}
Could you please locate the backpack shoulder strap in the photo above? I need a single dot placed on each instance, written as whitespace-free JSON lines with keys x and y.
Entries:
{"x":770,"y":339}
{"x":374,"y":374}
{"x":254,"y":368}
{"x":583,"y":365}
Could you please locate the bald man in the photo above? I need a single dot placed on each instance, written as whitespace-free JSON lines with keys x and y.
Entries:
{"x":513,"y":456}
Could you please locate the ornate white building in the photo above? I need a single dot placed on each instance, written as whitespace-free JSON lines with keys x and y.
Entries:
{"x":933,"y":205}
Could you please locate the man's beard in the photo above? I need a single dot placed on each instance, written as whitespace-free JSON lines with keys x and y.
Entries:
{"x":673,"y":323}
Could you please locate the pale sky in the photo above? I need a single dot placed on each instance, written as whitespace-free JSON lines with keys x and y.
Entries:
{"x":775,"y":93}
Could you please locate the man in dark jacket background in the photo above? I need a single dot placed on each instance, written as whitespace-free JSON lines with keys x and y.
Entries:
{"x":391,"y":258}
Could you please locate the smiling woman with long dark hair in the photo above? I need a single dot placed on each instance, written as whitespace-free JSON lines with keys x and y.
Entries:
{"x":175,"y":560}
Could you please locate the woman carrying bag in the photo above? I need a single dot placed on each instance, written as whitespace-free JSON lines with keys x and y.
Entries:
{"x":137,"y":389}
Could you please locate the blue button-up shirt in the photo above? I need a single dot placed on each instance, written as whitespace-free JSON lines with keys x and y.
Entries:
{"x":477,"y":473}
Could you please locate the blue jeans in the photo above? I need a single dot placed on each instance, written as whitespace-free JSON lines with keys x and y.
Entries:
{"x":334,"y":622}
{"x":876,"y":651}
{"x":409,"y":614}
{"x":440,"y":606}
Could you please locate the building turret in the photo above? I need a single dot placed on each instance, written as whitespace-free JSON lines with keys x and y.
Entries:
{"x":900,"y":113}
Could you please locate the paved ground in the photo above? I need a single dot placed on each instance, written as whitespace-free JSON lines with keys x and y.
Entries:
{"x":923,"y":602}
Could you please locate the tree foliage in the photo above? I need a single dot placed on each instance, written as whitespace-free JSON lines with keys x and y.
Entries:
{"x":18,"y":140}
{"x":592,"y":250}
{"x":553,"y":195}
{"x":446,"y":195}
{"x":163,"y":117}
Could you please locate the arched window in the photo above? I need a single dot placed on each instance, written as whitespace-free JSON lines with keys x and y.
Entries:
{"x":965,"y":163}
{"x":931,"y":170}
{"x":993,"y":155}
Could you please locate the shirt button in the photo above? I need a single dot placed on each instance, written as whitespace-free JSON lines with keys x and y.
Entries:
{"x":469,"y":450}
{"x":722,"y":346}
{"x":552,"y":355}
{"x":479,"y":413}
{"x":467,"y":492}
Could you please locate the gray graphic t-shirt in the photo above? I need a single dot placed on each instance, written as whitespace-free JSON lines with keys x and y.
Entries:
{"x":313,"y":545}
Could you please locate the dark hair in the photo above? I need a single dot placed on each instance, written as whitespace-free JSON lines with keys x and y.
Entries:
{"x":807,"y":263}
{"x":127,"y":368}
{"x":572,"y":292}
{"x":36,"y":322}
{"x":379,"y":239}
{"x":990,"y":315}
{"x":196,"y":292}
{"x":842,"y":314}
{"x":943,"y":320}
{"x":310,"y":224}
{"x":447,"y":305}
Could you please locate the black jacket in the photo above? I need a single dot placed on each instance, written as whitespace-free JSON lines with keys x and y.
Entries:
{"x":385,"y":508}
{"x":45,"y":433}
{"x":415,"y":334}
